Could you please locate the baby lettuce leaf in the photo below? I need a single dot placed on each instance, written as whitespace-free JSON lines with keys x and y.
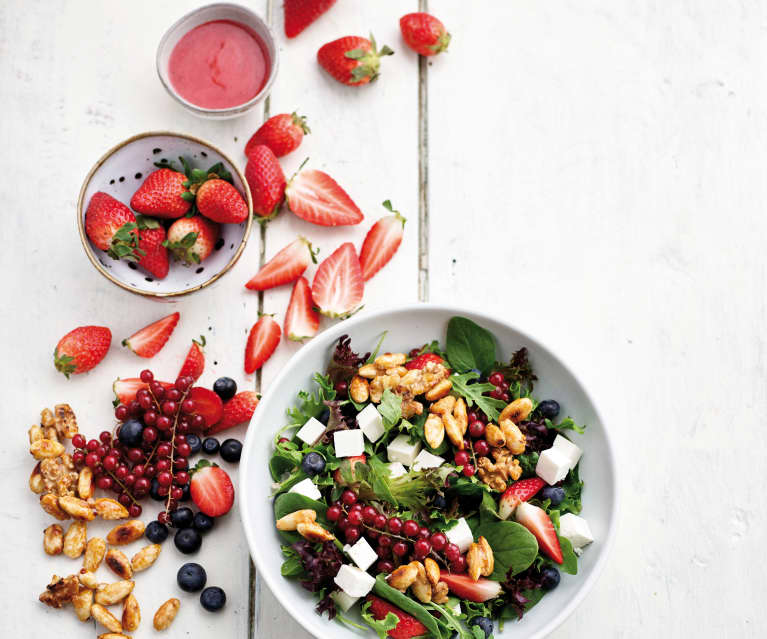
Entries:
{"x":471,"y":391}
{"x":410,"y":606}
{"x":469,"y":346}
{"x":514,"y":547}
{"x":390,"y":409}
{"x":566,"y":424}
{"x":570,"y":560}
{"x":312,"y":404}
{"x":291,"y":567}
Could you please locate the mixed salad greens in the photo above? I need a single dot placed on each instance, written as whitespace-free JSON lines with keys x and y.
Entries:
{"x":428,"y":489}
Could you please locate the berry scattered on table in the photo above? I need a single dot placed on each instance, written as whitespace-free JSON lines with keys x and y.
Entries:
{"x":424,"y":34}
{"x":263,"y":339}
{"x":299,"y":14}
{"x":195,"y":443}
{"x":316,"y":197}
{"x":187,"y":540}
{"x":207,"y":406}
{"x":194,"y":364}
{"x":266,"y":181}
{"x":181,"y":518}
{"x":338,"y":286}
{"x":81,"y":349}
{"x":301,"y":319}
{"x":210,"y":446}
{"x":191,"y":577}
{"x":381,"y":242}
{"x":231,"y":450}
{"x":211,"y":489}
{"x":148,"y":341}
{"x":225,"y":388}
{"x":213,"y":599}
{"x":156,"y":532}
{"x":352,"y":60}
{"x":285,"y":267}
{"x":203,"y":523}
{"x":130,"y":433}
{"x":282,"y":133}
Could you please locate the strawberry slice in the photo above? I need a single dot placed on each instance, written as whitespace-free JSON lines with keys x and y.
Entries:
{"x":316,"y":197}
{"x":539,"y":523}
{"x":263,"y":339}
{"x":125,"y":389}
{"x":211,"y":489}
{"x":194,"y":364}
{"x":301,"y":320}
{"x":466,"y":588}
{"x":285,"y":267}
{"x":353,"y":461}
{"x":338,"y":285}
{"x":299,"y":14}
{"x":381,"y":242}
{"x":421,"y":360}
{"x":237,"y":410}
{"x":407,"y":626}
{"x":207,"y":404}
{"x":149,"y":340}
{"x":519,"y":491}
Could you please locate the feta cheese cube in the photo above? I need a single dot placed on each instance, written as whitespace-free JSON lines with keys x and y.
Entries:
{"x":362,"y":554}
{"x":307,"y":488}
{"x":568,"y":449}
{"x":353,"y":581}
{"x":348,"y":443}
{"x":401,"y":450}
{"x":460,"y":535}
{"x":343,"y":601}
{"x":371,"y":423}
{"x":552,"y":466}
{"x":311,"y":431}
{"x":576,"y":530}
{"x":396,"y":470}
{"x":425,"y":459}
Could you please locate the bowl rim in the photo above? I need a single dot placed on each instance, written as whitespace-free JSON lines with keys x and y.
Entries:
{"x":81,"y":214}
{"x":238,"y":109}
{"x":347,"y":327}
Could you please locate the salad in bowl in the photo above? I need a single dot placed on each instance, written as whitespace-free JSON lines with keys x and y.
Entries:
{"x":428,"y":493}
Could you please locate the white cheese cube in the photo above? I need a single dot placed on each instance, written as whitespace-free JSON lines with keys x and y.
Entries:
{"x":401,"y":450}
{"x":396,"y":470}
{"x":307,"y":488}
{"x":343,"y":601}
{"x":371,"y":423}
{"x":568,"y":449}
{"x":311,"y":431}
{"x":460,"y":535}
{"x":353,"y":581}
{"x":425,"y":459}
{"x":576,"y":530}
{"x":552,"y":466}
{"x":362,"y":554}
{"x":348,"y":443}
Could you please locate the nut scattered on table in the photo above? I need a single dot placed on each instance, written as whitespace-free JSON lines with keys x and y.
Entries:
{"x":110,"y":509}
{"x":95,"y":550}
{"x":126,"y":533}
{"x":145,"y":557}
{"x":166,"y":614}
{"x":75,"y":539}
{"x":118,"y":563}
{"x":114,"y":593}
{"x":53,"y":539}
{"x":60,"y":591}
{"x":106,"y":618}
{"x":131,"y":613}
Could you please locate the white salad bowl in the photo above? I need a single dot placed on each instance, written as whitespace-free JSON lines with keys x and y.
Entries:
{"x":408,"y":327}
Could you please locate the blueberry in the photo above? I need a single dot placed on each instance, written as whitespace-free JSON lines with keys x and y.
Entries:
{"x":549,"y":578}
{"x":555,"y":494}
{"x":324,"y":416}
{"x":195,"y":443}
{"x":548,"y":409}
{"x":188,"y":540}
{"x":130,"y":433}
{"x":210,"y":445}
{"x":485,"y":623}
{"x":213,"y":598}
{"x":439,"y":502}
{"x":231,"y":450}
{"x":203,"y":523}
{"x":154,"y":487}
{"x":181,"y":517}
{"x":313,"y":464}
{"x":156,"y":532}
{"x":185,"y":496}
{"x":191,"y":577}
{"x":225,"y":388}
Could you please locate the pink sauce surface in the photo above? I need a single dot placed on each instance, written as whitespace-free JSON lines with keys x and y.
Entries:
{"x":219,"y":64}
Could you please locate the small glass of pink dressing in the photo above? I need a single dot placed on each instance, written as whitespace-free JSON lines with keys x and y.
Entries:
{"x":218,"y":61}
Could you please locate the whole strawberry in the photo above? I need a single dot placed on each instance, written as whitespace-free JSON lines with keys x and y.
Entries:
{"x":266,"y":181}
{"x":161,"y":195}
{"x":81,"y":349}
{"x":192,"y":239}
{"x":299,"y":14}
{"x":352,"y":60}
{"x":424,"y":34}
{"x":149,"y":252}
{"x":104,"y":217}
{"x":281,"y":133}
{"x":221,"y":202}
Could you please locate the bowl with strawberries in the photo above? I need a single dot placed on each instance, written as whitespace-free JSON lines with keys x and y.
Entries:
{"x":163,"y":214}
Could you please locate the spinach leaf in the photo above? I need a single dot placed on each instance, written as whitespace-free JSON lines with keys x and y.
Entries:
{"x":570,"y":561}
{"x":473,"y":394}
{"x":284,"y":460}
{"x":291,"y":502}
{"x":382,"y":626}
{"x":291,"y":567}
{"x":469,"y":346}
{"x":514,"y":547}
{"x":410,"y":606}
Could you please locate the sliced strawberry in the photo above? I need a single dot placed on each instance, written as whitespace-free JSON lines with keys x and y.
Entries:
{"x":316,"y":197}
{"x":237,"y":410}
{"x":407,"y":626}
{"x":353,"y":461}
{"x":211,"y":489}
{"x":338,"y":285}
{"x":522,"y":490}
{"x":301,"y":320}
{"x":149,"y":340}
{"x":421,"y":360}
{"x":285,"y":267}
{"x":263,"y":339}
{"x":125,"y":389}
{"x":381,"y":242}
{"x":207,"y":404}
{"x":299,"y":14}
{"x":194,"y":364}
{"x":465,"y":587}
{"x":539,"y":523}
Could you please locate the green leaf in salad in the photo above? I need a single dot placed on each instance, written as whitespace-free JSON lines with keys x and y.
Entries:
{"x":377,"y":349}
{"x":488,"y":509}
{"x":518,"y":371}
{"x":569,"y":558}
{"x":380,"y":626}
{"x":528,"y":462}
{"x":410,"y":606}
{"x":453,"y":624}
{"x":312,"y":404}
{"x":433,"y":347}
{"x":285,"y":458}
{"x":390,"y":409}
{"x":566,"y":424}
{"x":291,"y":567}
{"x":514,"y":547}
{"x":473,"y":393}
{"x":573,"y":488}
{"x":469,"y":346}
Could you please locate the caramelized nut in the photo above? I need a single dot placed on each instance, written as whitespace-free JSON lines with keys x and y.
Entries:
{"x":110,"y":509}
{"x":145,"y":557}
{"x":126,"y":533}
{"x":434,"y":430}
{"x":106,"y":618}
{"x":53,"y":539}
{"x":114,"y":593}
{"x":359,"y":389}
{"x":166,"y":614}
{"x":131,"y":613}
{"x":74,"y":540}
{"x":46,"y":449}
{"x":50,"y":504}
{"x":94,"y":554}
{"x":82,"y":603}
{"x":518,"y":411}
{"x":118,"y":563}
{"x":313,"y":532}
{"x":291,"y":520}
{"x":78,"y":508}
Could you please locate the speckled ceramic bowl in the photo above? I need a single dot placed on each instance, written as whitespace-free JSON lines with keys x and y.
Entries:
{"x":120,"y":171}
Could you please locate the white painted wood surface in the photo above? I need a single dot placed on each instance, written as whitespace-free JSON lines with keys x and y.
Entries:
{"x":595,"y":176}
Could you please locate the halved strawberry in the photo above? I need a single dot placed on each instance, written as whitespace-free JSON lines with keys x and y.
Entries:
{"x":237,"y":410}
{"x":207,"y":404}
{"x":338,"y":285}
{"x":125,"y":389}
{"x":211,"y":489}
{"x":285,"y":267}
{"x":420,"y":361}
{"x":194,"y":364}
{"x":301,"y":320}
{"x":381,"y":242}
{"x":519,"y":491}
{"x":264,"y":337}
{"x":299,"y":14}
{"x":407,"y":626}
{"x":539,"y":523}
{"x":316,"y":197}
{"x":149,"y":340}
{"x":353,"y":461}
{"x":466,"y":588}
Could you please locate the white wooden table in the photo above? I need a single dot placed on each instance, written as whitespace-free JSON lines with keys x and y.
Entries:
{"x":593,"y":171}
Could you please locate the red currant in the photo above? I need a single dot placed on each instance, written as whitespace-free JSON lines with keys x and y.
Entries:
{"x":352,"y":534}
{"x":380,"y":521}
{"x":78,"y":457}
{"x":394,"y":525}
{"x":348,"y":497}
{"x":176,"y":492}
{"x":183,"y":450}
{"x":473,"y":416}
{"x":163,"y":450}
{"x":357,"y":506}
{"x":145,"y":401}
{"x":410,"y":528}
{"x":78,"y":441}
{"x":383,"y":552}
{"x":424,"y":533}
{"x":92,"y":460}
{"x":496,"y":393}
{"x":481,"y":447}
{"x":452,"y":552}
{"x":496,"y":378}
{"x":146,"y":376}
{"x":369,"y":515}
{"x":282,"y":440}
{"x":355,"y":517}
{"x":342,"y":389}
{"x":173,"y":395}
{"x":164,"y":478}
{"x":188,"y":406}
{"x":469,"y":470}
{"x":122,"y":413}
{"x":134,"y":510}
{"x":183,"y":383}
{"x":149,"y":435}
{"x":400,"y":549}
{"x":141,"y":484}
{"x":105,"y":436}
{"x":385,"y":566}
{"x":158,"y":390}
{"x":459,"y":565}
{"x":385,"y":541}
{"x":121,"y":472}
{"x":182,"y":478}
{"x":104,"y":482}
{"x":163,"y":465}
{"x":198,"y":423}
{"x":168,"y":408}
{"x":182,"y":427}
{"x":163,"y":517}
{"x":130,"y":479}
{"x":343,"y":523}
{"x":150,"y":418}
{"x":134,"y":454}
{"x":102,"y":451}
{"x":124,"y":499}
{"x":421,"y":548}
{"x":438,"y":541}
{"x":135,"y":408}
{"x":476,"y":429}
{"x":180,"y":463}
{"x":92,"y":445}
{"x":461,"y":458}
{"x":149,"y":471}
{"x":333,"y":513}
{"x":109,"y":462}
